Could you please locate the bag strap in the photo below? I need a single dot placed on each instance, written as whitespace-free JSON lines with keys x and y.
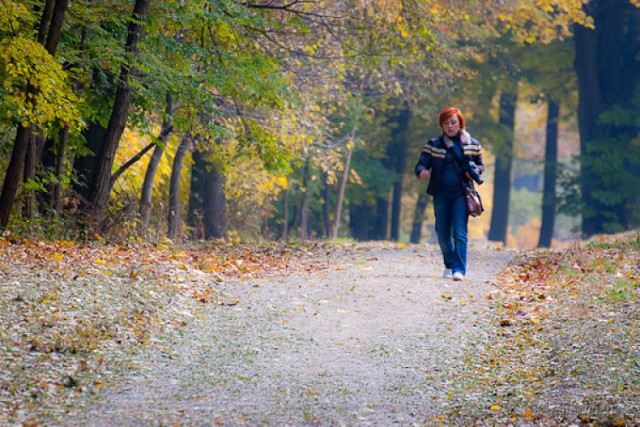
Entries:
{"x":465,"y":182}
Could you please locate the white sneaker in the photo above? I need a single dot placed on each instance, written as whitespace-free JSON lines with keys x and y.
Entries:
{"x":457,"y":276}
{"x":448,"y":274}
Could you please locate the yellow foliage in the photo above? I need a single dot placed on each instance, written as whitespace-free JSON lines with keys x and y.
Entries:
{"x":14,"y":17}
{"x":26,"y":63}
{"x":249,"y":192}
{"x":131,"y":143}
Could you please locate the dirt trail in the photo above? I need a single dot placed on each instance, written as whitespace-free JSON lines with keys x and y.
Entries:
{"x":370,"y":340}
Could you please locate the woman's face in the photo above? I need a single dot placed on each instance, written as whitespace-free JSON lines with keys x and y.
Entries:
{"x":451,"y":126}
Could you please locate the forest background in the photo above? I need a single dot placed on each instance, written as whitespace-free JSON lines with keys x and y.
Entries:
{"x":303,"y":119}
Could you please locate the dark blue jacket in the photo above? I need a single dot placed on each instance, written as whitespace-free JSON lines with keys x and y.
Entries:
{"x":434,"y":153}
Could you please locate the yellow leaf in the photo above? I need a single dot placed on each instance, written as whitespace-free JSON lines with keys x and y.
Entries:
{"x":495,"y":407}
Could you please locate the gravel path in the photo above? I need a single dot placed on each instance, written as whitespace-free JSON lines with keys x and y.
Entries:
{"x":370,"y":340}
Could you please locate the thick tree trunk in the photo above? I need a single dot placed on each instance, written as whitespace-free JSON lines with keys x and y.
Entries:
{"x":154,"y":162}
{"x":608,"y":69}
{"x":102,"y":185}
{"x":13,"y":174}
{"x":360,"y":222}
{"x":418,"y":217}
{"x":195,"y":219}
{"x":173,"y":219}
{"x":45,"y":20}
{"x":85,"y":166}
{"x":401,"y":144}
{"x":502,"y":179}
{"x":550,"y":174}
{"x":215,"y":218}
{"x":381,"y":217}
{"x":55,"y":28}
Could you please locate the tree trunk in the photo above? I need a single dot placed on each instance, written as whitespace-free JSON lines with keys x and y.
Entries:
{"x":326,"y":206}
{"x":400,"y":143}
{"x":418,"y":217}
{"x":195,"y":218}
{"x":301,"y":220}
{"x":85,"y":166}
{"x":550,"y":174}
{"x":154,"y":162}
{"x":52,"y":162}
{"x":173,"y":219}
{"x":102,"y":185}
{"x":59,"y":170}
{"x":13,"y":174}
{"x":55,"y":28}
{"x":502,"y":179}
{"x":360,"y":222}
{"x":608,"y":70}
{"x":285,"y":215}
{"x":29,"y":206}
{"x":381,"y":217}
{"x":343,"y":188}
{"x":45,"y":20}
{"x":215,"y":218}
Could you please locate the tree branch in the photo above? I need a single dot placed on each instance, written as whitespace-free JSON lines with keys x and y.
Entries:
{"x":138,"y":156}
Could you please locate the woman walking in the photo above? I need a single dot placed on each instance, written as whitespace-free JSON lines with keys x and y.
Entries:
{"x":451,"y":160}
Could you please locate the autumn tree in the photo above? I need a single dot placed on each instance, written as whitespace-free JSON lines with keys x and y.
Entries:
{"x":608,"y":69}
{"x":36,"y":90}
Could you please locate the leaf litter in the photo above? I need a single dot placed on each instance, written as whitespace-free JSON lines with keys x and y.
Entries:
{"x":563,"y":347}
{"x":74,"y":314}
{"x":556,"y":341}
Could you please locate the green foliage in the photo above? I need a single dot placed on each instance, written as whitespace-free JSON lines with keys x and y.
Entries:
{"x":568,"y":192}
{"x":623,"y":290}
{"x":631,"y":243}
{"x":612,"y":180}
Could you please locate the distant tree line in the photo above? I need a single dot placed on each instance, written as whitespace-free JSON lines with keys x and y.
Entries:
{"x":303,"y":118}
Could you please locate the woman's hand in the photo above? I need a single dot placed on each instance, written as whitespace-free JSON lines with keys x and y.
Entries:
{"x":424,"y":174}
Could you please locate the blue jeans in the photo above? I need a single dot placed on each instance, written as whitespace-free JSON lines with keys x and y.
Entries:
{"x":451,"y":228}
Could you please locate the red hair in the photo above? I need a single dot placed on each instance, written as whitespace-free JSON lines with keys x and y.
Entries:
{"x":449,"y":112}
